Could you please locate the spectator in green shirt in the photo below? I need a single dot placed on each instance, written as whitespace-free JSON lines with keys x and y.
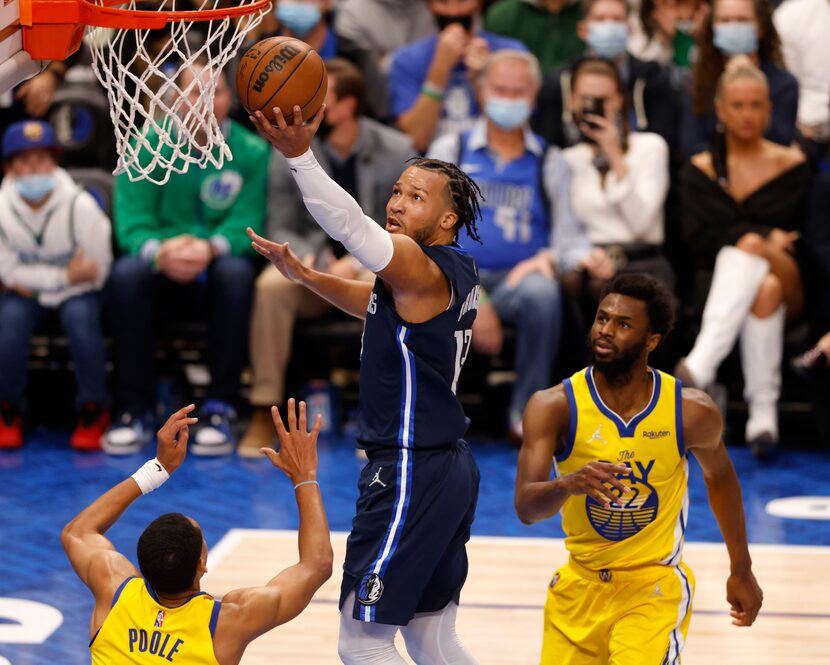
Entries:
{"x":186,"y":255}
{"x":546,"y":27}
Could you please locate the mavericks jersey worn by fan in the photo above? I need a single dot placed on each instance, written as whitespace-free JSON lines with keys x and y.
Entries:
{"x":406,"y":551}
{"x":140,"y":631}
{"x":625,"y":595}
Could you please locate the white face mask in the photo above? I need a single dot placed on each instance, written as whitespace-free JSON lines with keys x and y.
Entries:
{"x":34,"y":188}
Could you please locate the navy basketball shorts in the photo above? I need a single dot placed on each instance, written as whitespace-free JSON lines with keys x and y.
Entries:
{"x":406,"y":552}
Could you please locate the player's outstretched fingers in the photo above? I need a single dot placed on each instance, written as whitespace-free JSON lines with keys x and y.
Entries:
{"x":292,"y":416}
{"x":303,"y":421}
{"x":272,"y":455}
{"x":317,"y":120}
{"x":298,"y":116}
{"x":275,"y":416}
{"x":279,"y":119}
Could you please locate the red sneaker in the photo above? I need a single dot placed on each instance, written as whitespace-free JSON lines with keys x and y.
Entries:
{"x":11,"y":427}
{"x":93,"y":422}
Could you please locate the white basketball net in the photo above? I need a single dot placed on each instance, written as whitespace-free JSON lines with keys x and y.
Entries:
{"x":164,"y":123}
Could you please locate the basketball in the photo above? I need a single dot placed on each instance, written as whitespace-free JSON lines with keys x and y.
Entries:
{"x":283,"y":72}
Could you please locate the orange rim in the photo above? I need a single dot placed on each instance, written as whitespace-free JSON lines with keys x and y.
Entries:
{"x":114,"y":17}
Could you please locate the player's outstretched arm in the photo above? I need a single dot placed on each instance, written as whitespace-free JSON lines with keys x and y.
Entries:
{"x":397,"y":259}
{"x":702,"y":430}
{"x":538,"y":497}
{"x":350,"y":295}
{"x":248,"y":613}
{"x":91,"y":554}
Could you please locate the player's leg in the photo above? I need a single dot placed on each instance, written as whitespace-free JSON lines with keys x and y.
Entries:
{"x":654,"y":627}
{"x":362,"y":643}
{"x":431,"y":638}
{"x":575,"y":620}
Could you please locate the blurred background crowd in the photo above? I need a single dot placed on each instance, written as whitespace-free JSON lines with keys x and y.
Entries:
{"x":685,"y":139}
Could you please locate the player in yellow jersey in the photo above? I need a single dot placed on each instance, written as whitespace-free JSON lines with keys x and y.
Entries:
{"x":164,"y":617}
{"x":617,"y":435}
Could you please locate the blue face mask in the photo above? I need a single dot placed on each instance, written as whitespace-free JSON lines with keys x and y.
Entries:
{"x":736,"y":38}
{"x":507,"y":113}
{"x":299,"y":17}
{"x":607,"y":38}
{"x":35,"y":187}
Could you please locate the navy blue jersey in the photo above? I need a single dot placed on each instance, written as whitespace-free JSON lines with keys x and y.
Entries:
{"x":409,"y":372}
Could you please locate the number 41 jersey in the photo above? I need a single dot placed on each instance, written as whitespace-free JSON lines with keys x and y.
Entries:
{"x":409,"y":371}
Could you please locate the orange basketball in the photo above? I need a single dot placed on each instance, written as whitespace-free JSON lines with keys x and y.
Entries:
{"x":283,"y":72}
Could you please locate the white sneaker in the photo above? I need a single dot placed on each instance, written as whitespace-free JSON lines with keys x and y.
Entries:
{"x":127,"y":435}
{"x":214,"y":434}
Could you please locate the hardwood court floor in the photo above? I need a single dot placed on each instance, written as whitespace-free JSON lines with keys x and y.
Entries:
{"x":501,"y":608}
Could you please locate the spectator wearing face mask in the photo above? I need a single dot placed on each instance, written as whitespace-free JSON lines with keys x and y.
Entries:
{"x":54,"y":256}
{"x":515,"y":172}
{"x":734,"y":28}
{"x":370,"y":44}
{"x":306,"y":20}
{"x":620,"y":180}
{"x":432,"y":81}
{"x":665,"y":32}
{"x":605,"y":30}
{"x":546,"y":27}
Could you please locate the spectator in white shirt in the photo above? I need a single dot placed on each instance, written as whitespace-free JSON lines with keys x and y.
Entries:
{"x":619,"y":184}
{"x":54,"y":256}
{"x":804,"y":26}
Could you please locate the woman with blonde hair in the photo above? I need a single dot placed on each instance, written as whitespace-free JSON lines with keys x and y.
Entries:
{"x":743,"y":208}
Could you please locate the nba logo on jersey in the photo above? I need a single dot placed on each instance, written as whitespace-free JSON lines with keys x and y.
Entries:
{"x":370,"y":590}
{"x":159,"y":619}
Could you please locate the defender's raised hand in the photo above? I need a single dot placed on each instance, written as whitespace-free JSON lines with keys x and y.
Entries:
{"x":291,"y":140}
{"x":172,"y":438}
{"x":297,"y":457}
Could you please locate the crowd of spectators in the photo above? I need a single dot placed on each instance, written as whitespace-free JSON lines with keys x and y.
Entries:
{"x":687,"y":139}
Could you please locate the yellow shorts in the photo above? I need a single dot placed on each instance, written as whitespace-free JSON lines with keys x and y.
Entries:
{"x":633,"y":618}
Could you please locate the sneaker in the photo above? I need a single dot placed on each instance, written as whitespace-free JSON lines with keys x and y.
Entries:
{"x":260,"y":434}
{"x":214,"y":433}
{"x":92,"y":424}
{"x":11,"y":427}
{"x":128,"y":434}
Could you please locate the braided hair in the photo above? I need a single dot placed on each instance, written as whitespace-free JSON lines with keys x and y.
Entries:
{"x":464,"y":193}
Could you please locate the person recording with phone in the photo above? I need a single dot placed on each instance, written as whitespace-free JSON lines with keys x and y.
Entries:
{"x":617,"y":192}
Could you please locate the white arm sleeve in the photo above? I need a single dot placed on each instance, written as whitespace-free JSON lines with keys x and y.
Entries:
{"x":339,"y":215}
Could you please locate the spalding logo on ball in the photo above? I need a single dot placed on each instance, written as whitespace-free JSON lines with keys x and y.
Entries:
{"x":282,"y":72}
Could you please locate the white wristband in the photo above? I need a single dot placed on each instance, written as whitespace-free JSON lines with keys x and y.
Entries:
{"x":150,"y":476}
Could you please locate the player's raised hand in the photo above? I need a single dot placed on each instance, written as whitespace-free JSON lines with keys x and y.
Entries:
{"x":279,"y":254}
{"x":745,"y":597}
{"x":172,"y":438}
{"x":598,"y":480}
{"x":291,"y":140}
{"x":297,"y":457}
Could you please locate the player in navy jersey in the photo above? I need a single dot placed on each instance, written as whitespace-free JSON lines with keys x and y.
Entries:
{"x":406,"y":559}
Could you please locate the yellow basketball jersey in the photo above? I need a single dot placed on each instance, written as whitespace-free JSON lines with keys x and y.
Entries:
{"x":140,"y":631}
{"x":648,"y":527}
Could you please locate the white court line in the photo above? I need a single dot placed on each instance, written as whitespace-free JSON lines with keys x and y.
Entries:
{"x":233,"y":537}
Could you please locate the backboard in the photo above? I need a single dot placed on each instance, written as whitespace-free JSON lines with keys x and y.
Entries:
{"x":15,"y":64}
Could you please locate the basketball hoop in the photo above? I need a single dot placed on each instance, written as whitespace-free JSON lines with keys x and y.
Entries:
{"x":164,"y":122}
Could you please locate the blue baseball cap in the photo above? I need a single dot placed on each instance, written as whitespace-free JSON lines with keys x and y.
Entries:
{"x":29,"y":135}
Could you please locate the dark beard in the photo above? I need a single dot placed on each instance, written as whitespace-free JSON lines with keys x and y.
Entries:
{"x":618,"y":371}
